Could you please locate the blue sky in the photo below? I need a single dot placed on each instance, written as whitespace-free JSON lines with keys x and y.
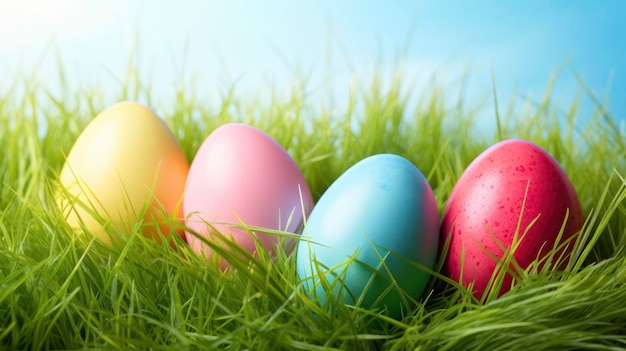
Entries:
{"x":254,"y":44}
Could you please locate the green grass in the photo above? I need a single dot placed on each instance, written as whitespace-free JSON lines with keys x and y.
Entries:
{"x":58,"y":291}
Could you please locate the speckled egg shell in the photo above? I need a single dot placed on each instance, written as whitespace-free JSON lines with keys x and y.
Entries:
{"x":510,"y":185}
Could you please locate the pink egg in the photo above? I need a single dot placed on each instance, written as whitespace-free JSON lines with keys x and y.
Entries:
{"x":512,"y":180}
{"x":241,"y":174}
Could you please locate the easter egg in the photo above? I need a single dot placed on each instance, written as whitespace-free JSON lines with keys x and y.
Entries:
{"x":368,"y":235}
{"x":125,"y":167}
{"x":514,"y":197}
{"x":240,"y":175}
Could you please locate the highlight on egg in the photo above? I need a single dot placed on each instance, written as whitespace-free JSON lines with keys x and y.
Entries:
{"x":125,"y":168}
{"x":513,"y":205}
{"x":240,"y":175}
{"x":372,"y":237}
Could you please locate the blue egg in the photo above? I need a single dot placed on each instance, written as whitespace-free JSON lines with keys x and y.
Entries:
{"x":369,"y":234}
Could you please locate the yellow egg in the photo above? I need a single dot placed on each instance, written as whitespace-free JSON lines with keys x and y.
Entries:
{"x":124,"y":168}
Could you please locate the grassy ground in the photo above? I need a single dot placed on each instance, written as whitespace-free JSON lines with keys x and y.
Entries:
{"x":58,"y":292}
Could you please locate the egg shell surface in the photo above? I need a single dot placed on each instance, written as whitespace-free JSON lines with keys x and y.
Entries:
{"x":126,"y":166}
{"x":382,"y":212}
{"x":241,"y":174}
{"x":486,"y":204}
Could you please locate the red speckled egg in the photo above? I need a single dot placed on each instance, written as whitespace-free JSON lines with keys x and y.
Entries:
{"x":512,"y":180}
